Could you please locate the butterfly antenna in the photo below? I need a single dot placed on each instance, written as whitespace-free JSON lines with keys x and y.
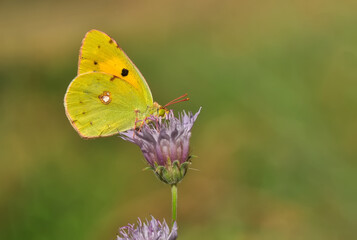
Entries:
{"x":182,"y":98}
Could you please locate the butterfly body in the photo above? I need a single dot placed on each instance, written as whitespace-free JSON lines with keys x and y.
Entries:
{"x":109,"y":94}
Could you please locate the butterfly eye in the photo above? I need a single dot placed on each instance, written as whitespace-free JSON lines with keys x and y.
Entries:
{"x":124,"y":72}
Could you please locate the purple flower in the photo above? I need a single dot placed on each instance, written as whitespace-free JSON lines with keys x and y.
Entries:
{"x":150,"y":230}
{"x":165,"y":144}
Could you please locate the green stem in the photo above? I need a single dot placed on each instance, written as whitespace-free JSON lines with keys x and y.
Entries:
{"x":174,"y":202}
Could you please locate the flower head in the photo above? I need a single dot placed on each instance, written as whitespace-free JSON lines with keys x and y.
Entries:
{"x":165,"y":144}
{"x":150,"y":230}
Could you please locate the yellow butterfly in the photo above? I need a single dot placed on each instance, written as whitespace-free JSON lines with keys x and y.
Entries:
{"x":109,"y":94}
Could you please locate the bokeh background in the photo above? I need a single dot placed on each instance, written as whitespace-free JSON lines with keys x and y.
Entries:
{"x":276,"y":138}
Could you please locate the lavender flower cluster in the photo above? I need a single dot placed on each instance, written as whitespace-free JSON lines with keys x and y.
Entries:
{"x":149,"y":230}
{"x":165,"y":144}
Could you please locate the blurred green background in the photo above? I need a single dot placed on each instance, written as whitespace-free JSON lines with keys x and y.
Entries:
{"x":276,"y":138}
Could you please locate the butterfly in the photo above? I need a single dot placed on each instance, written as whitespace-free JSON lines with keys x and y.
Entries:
{"x":109,"y":95}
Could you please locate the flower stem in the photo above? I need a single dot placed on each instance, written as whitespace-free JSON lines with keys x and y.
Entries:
{"x":174,"y":202}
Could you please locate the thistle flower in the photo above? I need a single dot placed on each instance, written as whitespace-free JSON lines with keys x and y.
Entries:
{"x":165,"y":144}
{"x":150,"y":230}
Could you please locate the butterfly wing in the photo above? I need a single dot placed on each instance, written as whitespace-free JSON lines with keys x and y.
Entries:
{"x":100,"y":53}
{"x":101,"y":104}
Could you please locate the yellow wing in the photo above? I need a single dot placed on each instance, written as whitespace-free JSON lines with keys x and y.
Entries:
{"x":100,"y":53}
{"x":101,"y":104}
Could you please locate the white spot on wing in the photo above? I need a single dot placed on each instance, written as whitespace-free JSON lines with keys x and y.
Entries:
{"x":106,"y":99}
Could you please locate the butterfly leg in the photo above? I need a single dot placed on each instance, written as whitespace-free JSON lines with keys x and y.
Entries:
{"x":142,"y":124}
{"x":137,"y":120}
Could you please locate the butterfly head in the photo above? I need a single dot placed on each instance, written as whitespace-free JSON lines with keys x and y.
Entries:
{"x":162,"y":111}
{"x":159,"y":110}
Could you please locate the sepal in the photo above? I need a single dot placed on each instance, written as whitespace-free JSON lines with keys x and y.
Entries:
{"x":172,"y":173}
